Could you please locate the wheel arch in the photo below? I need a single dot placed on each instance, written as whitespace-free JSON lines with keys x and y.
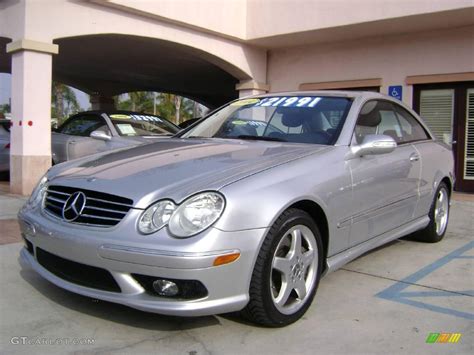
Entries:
{"x":449,"y":184}
{"x":319,"y":217}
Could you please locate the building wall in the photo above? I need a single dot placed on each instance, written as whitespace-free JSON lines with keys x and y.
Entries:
{"x":227,"y":17}
{"x":391,"y":58}
{"x":270,"y":18}
{"x":251,"y":19}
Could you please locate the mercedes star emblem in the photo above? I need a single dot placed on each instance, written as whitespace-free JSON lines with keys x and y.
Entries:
{"x":74,"y":206}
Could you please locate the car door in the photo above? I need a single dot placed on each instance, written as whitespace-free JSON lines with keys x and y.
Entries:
{"x":385,"y":187}
{"x":73,"y":140}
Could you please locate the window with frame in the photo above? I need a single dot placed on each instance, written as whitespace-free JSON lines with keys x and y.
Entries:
{"x":377,"y":117}
{"x":384,"y":117}
{"x":83,"y":125}
{"x":412,"y":130}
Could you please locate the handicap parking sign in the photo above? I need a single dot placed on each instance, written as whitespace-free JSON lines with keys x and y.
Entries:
{"x":395,"y":91}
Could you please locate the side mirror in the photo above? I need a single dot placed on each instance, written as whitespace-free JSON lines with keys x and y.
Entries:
{"x":100,"y":135}
{"x":373,"y":144}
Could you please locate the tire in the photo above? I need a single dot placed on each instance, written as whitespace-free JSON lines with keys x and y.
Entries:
{"x":286,"y":273}
{"x":439,"y":217}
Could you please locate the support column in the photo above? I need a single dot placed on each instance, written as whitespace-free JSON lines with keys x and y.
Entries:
{"x":102,"y":102}
{"x":251,"y":87}
{"x":30,"y":146}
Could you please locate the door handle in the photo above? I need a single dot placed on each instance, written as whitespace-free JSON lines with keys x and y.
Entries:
{"x":414,"y":157}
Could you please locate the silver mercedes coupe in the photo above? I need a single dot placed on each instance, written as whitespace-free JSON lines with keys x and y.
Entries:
{"x":93,"y":132}
{"x":244,"y":211}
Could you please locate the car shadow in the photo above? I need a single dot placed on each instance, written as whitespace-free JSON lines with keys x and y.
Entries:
{"x":112,"y":311}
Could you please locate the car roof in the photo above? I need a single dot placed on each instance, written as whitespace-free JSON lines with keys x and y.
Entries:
{"x":333,"y":93}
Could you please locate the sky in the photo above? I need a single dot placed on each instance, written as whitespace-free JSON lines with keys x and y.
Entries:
{"x":5,"y":92}
{"x":4,"y":88}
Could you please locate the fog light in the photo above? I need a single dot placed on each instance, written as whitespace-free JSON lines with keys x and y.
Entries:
{"x":165,"y":288}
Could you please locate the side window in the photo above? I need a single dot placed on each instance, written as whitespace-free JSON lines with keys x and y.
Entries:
{"x":83,"y":125}
{"x":378,"y":117}
{"x":412,"y":130}
{"x":389,"y":125}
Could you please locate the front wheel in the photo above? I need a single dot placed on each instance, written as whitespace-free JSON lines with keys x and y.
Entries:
{"x":439,"y":217}
{"x":287,"y":271}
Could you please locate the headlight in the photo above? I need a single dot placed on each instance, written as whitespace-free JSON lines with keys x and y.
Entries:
{"x":38,"y":192}
{"x":196,"y":214}
{"x":156,"y":216}
{"x":191,"y":217}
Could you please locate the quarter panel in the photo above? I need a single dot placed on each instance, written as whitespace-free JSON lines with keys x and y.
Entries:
{"x":437,"y":162}
{"x":78,"y":147}
{"x":59,"y":147}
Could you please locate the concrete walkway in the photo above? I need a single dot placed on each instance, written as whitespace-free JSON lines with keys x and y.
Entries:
{"x":387,"y":301}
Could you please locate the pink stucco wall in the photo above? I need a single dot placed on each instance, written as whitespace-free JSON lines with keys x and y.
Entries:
{"x":391,"y":58}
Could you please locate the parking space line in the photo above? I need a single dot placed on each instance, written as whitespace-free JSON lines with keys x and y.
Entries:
{"x":394,"y":292}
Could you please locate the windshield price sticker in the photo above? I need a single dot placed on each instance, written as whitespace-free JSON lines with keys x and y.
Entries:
{"x":293,"y":101}
{"x":245,"y":102}
{"x":126,"y":129}
{"x":250,"y":123}
{"x":120,"y":117}
{"x":257,"y":123}
{"x":136,"y":117}
{"x":145,"y":118}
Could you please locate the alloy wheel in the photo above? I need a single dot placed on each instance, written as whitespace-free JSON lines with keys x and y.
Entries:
{"x":294,"y":269}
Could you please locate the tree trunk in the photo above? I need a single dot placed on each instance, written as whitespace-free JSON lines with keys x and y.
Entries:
{"x":59,"y":102}
{"x":177,"y":105}
{"x":196,"y":111}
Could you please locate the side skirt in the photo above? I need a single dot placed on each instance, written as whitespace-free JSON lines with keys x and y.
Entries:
{"x":336,"y":261}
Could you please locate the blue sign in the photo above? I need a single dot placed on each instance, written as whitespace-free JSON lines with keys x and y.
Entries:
{"x":396,"y":91}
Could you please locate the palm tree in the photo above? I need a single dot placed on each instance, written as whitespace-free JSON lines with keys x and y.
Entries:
{"x":172,"y":107}
{"x":63,"y":101}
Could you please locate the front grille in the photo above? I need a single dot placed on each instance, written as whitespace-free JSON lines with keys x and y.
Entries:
{"x":101,"y":209}
{"x":80,"y":274}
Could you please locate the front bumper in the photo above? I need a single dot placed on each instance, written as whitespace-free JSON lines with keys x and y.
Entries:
{"x":122,"y":252}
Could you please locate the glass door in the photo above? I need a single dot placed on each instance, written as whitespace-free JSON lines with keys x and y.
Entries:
{"x":448,"y":110}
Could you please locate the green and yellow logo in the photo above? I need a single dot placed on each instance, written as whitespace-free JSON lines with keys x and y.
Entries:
{"x":443,"y":338}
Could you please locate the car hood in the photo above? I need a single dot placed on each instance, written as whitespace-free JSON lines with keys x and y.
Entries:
{"x":176,"y":168}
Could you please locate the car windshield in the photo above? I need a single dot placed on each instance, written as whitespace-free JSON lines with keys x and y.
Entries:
{"x":142,"y":125}
{"x":296,"y":119}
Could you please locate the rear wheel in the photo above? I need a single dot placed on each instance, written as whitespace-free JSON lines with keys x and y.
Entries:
{"x":287,"y":271}
{"x":439,"y":217}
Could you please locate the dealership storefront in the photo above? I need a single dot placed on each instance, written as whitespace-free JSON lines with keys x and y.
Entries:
{"x":421,"y":53}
